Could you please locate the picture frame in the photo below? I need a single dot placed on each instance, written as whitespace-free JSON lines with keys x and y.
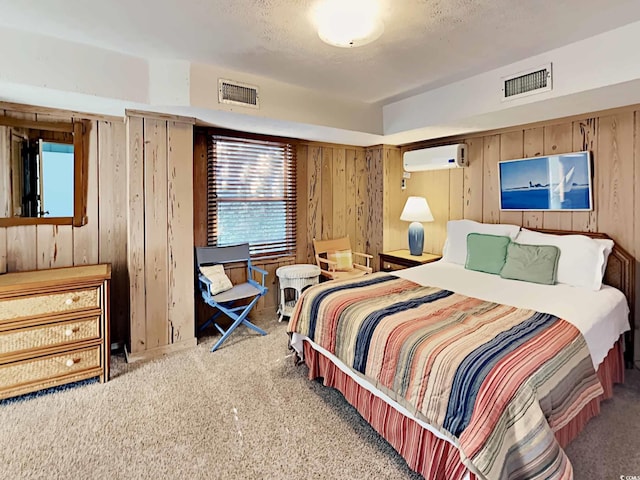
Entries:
{"x":561,"y":182}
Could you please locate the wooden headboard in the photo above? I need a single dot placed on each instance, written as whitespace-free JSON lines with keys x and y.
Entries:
{"x":621,"y":274}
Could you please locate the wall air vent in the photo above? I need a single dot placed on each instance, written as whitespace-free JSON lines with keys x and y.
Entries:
{"x":236,"y":93}
{"x":533,"y":81}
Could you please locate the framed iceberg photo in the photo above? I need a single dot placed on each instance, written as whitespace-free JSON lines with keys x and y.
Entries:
{"x":553,"y":182}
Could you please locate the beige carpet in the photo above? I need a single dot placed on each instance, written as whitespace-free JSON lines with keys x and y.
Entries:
{"x":243,"y":412}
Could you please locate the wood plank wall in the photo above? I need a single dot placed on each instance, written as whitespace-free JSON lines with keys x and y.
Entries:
{"x":102,"y":240}
{"x":159,"y":192}
{"x":613,"y":137}
{"x":340,"y":192}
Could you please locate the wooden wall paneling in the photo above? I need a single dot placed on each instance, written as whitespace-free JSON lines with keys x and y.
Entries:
{"x":395,"y":230}
{"x":3,"y":250}
{"x":21,"y":241}
{"x":155,"y":228}
{"x":86,"y":238}
{"x":635,"y":248}
{"x":5,"y":188}
{"x":374,"y":216}
{"x":533,"y":146}
{"x":271,"y":299}
{"x":180,"y":230}
{"x":511,"y":147}
{"x":350,"y":197}
{"x":615,"y":176}
{"x":557,"y":139}
{"x":200,"y":200}
{"x":456,"y":194}
{"x":585,"y":137}
{"x":136,"y":234}
{"x":490,"y":184}
{"x":339,"y":184}
{"x":112,"y":228}
{"x":326,"y":182}
{"x":436,"y":190}
{"x":362,"y":202}
{"x":314,"y":195}
{"x":21,"y":248}
{"x":55,"y":246}
{"x":473,"y":180}
{"x":5,"y":171}
{"x":304,"y":252}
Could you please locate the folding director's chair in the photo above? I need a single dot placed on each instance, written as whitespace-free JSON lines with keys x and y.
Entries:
{"x":225,"y":301}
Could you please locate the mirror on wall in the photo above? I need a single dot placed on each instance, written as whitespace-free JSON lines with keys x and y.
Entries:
{"x":42,"y":172}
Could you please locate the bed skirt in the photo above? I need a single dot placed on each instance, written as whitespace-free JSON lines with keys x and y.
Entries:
{"x":433,"y":457}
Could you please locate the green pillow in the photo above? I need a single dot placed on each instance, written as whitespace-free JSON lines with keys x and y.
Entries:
{"x":532,"y":263}
{"x":486,"y":253}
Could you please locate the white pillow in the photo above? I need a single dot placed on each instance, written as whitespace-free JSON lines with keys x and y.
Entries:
{"x":583,"y":260}
{"x":219,"y":280}
{"x":455,"y":247}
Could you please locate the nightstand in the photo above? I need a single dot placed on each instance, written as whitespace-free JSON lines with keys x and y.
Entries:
{"x":399,"y":259}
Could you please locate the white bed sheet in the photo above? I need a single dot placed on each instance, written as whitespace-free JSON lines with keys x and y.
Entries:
{"x":600,"y":316}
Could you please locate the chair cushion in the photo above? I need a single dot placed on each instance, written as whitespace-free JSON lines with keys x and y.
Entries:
{"x":343,"y":258}
{"x":219,"y":280}
{"x":238,"y":292}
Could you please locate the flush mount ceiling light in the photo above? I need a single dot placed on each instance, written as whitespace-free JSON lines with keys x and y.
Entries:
{"x":348,"y":23}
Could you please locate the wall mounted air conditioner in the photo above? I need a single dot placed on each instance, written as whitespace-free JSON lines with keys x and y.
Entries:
{"x":436,"y":158}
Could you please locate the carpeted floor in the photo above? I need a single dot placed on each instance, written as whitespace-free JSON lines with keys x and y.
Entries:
{"x":243,"y":412}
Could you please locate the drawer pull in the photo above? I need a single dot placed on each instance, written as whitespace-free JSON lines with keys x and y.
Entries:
{"x":71,"y":362}
{"x":68,"y":301}
{"x":70,"y":331}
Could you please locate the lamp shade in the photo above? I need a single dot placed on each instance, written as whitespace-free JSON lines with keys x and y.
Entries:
{"x":416,"y":210}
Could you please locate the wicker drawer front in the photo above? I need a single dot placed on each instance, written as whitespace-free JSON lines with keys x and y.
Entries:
{"x":53,"y":303}
{"x":14,"y":341}
{"x":31,"y":371}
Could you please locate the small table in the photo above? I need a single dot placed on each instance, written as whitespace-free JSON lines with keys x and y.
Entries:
{"x":296,"y":277}
{"x":398,"y":259}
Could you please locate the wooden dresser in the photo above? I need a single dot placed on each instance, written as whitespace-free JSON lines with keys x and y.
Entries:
{"x":54,"y":327}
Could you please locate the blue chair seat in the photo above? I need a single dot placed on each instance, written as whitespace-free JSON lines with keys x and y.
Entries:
{"x":238,"y":292}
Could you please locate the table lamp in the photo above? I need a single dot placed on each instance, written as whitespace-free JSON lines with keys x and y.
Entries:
{"x":416,"y":210}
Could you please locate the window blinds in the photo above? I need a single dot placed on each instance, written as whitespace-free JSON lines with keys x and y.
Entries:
{"x":251,"y":191}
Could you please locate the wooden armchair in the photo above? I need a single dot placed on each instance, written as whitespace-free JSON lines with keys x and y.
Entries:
{"x":333,"y":269}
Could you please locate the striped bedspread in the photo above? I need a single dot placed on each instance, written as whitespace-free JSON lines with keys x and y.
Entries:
{"x":496,"y":380}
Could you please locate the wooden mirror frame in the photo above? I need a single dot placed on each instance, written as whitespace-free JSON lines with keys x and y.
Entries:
{"x":79,"y":128}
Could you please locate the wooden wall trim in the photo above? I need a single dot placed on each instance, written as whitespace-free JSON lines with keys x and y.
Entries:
{"x":310,"y":143}
{"x":37,"y":124}
{"x":71,"y":114}
{"x":160,"y":116}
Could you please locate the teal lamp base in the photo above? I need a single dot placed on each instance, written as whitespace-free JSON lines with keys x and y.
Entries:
{"x":416,"y":238}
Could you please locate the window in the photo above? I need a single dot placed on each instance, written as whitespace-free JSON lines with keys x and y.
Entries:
{"x":56,"y":167}
{"x":252,"y":195}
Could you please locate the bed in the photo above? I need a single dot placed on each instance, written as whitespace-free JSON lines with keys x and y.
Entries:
{"x":467,"y":374}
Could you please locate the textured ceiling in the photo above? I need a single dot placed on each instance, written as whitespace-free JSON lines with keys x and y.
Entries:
{"x":425,"y":43}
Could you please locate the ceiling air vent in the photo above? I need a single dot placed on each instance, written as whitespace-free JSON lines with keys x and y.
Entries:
{"x":527,"y":83}
{"x":236,"y":93}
